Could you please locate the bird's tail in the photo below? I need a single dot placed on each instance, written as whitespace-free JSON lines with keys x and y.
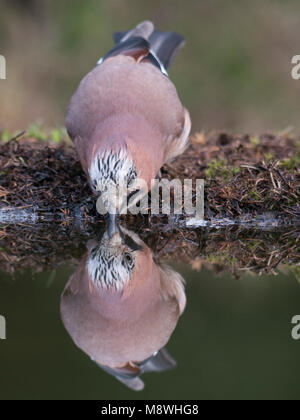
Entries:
{"x":163,"y":45}
{"x":158,"y":362}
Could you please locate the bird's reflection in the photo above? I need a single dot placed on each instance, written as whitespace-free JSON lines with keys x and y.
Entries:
{"x":121,"y":307}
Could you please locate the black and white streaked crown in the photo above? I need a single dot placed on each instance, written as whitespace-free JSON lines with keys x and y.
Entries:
{"x":110,"y":267}
{"x":112,"y":168}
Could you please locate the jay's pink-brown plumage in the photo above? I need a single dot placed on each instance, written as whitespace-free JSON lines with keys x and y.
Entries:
{"x":121,"y":307}
{"x":126,"y":119}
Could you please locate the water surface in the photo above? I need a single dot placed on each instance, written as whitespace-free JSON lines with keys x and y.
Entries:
{"x":233,"y":341}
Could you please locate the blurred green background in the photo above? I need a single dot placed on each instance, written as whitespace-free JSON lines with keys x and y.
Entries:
{"x":234,"y":72}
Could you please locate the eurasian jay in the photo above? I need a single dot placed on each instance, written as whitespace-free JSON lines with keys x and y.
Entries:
{"x":126,"y":119}
{"x":120,"y":307}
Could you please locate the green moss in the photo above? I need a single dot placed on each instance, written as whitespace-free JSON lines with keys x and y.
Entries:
{"x":6,"y":136}
{"x":221,"y":169}
{"x":293,"y":162}
{"x":268,"y":157}
{"x":220,"y":258}
{"x":255,"y":195}
{"x":252,"y":244}
{"x":58,"y":135}
{"x":255,"y":141}
{"x":36,"y":131}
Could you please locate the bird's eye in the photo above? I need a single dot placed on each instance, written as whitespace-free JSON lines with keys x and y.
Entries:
{"x":128,"y":258}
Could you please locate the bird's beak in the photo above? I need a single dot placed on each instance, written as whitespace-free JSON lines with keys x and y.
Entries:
{"x":113,"y":225}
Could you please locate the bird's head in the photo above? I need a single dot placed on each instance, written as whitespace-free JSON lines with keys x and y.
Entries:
{"x":122,"y":173}
{"x":114,"y":178}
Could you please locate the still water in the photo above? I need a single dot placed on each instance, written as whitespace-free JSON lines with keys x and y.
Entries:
{"x":70,"y":334}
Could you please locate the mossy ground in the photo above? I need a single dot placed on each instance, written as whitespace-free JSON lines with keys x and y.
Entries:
{"x":233,"y":249}
{"x":245,"y":175}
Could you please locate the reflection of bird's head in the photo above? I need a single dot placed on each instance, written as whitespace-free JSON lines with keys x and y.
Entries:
{"x":121,"y":308}
{"x":112,"y":261}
